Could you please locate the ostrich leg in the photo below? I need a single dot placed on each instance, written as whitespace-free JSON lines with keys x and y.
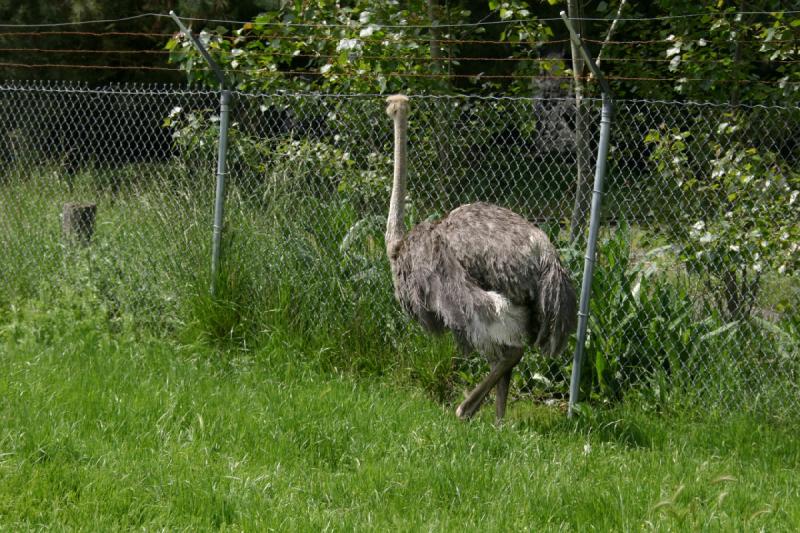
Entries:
{"x":499,"y":371}
{"x":501,"y":392}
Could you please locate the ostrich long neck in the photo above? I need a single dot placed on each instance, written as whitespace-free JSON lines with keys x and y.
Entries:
{"x":395,"y":227}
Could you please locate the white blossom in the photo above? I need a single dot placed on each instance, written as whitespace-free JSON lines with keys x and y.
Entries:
{"x":708,"y":237}
{"x":368,"y":31}
{"x":348,"y":44}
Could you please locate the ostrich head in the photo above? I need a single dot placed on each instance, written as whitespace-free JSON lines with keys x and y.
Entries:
{"x":398,"y":105}
{"x":395,"y":229}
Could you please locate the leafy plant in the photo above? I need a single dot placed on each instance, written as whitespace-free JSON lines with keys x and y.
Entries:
{"x":364,"y":47}
{"x":742,"y":217}
{"x":641,"y":324}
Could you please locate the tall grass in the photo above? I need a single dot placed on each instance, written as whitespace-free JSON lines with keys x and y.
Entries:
{"x":104,"y":427}
{"x":654,"y":332}
{"x":308,"y":275}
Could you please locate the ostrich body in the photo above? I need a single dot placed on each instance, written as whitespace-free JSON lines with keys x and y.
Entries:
{"x":483,"y":272}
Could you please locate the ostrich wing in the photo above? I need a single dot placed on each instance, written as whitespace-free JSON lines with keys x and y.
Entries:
{"x":500,"y":249}
{"x":508,"y":255}
{"x":434,"y":287}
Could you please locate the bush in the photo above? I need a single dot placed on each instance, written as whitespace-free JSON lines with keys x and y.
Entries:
{"x":740,"y":213}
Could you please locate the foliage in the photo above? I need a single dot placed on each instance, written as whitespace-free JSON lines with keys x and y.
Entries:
{"x":268,"y":167}
{"x":718,"y":56}
{"x":367,"y":47}
{"x":652,"y":337}
{"x":641,"y":325}
{"x":34,"y":45}
{"x":745,"y":219}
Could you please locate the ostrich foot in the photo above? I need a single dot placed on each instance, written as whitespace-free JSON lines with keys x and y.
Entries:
{"x":465,"y":410}
{"x":501,"y":372}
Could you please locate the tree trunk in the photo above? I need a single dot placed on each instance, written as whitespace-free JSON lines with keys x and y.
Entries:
{"x":77,"y":222}
{"x":582,"y":155}
{"x":436,"y":50}
{"x":444,"y":138}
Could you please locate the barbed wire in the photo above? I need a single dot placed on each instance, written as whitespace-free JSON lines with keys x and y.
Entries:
{"x":80,"y":51}
{"x":444,"y":43}
{"x":366,"y":39}
{"x":137,"y":88}
{"x":498,"y":22}
{"x":408,"y":26}
{"x":386,"y":57}
{"x":88,"y":67}
{"x":367,"y":75}
{"x":379,"y":40}
{"x":81,"y":23}
{"x":84,"y":34}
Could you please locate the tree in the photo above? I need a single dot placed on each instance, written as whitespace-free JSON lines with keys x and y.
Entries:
{"x":27,"y":46}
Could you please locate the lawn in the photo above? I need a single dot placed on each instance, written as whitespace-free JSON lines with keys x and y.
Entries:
{"x":104,"y":426}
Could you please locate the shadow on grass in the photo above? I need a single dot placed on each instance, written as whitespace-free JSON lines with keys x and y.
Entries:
{"x":618,"y":426}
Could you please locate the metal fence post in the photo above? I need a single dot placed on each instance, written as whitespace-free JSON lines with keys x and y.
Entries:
{"x":594,"y":217}
{"x":224,"y":120}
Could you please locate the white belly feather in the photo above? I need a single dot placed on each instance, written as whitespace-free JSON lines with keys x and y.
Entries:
{"x":507,"y":327}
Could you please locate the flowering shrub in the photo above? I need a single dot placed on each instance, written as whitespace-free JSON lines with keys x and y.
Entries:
{"x":750,"y":204}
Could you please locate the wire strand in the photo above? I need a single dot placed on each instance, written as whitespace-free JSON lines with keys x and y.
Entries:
{"x":84,"y":34}
{"x":249,"y":38}
{"x":401,"y":26}
{"x":88,"y":67}
{"x":496,"y":22}
{"x":453,"y":59}
{"x":83,"y":22}
{"x":397,"y":74}
{"x":76,"y":51}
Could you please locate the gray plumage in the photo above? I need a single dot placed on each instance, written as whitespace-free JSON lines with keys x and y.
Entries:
{"x":483,"y":272}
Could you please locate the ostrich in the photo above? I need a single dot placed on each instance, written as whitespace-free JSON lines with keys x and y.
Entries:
{"x":483,"y":272}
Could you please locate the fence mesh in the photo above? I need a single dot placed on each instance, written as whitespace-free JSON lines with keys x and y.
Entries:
{"x":696,"y":293}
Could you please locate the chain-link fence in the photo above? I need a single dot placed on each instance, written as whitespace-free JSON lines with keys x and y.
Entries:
{"x":696,"y":294}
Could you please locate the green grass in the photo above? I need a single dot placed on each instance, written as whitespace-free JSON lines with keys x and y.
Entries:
{"x":307,"y":273}
{"x":103,"y":427}
{"x":300,"y":397}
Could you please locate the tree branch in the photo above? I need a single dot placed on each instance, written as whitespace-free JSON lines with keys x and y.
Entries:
{"x":436,"y":52}
{"x":610,"y":33}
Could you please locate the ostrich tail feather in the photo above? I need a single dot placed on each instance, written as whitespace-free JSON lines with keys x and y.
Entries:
{"x":556,"y":307}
